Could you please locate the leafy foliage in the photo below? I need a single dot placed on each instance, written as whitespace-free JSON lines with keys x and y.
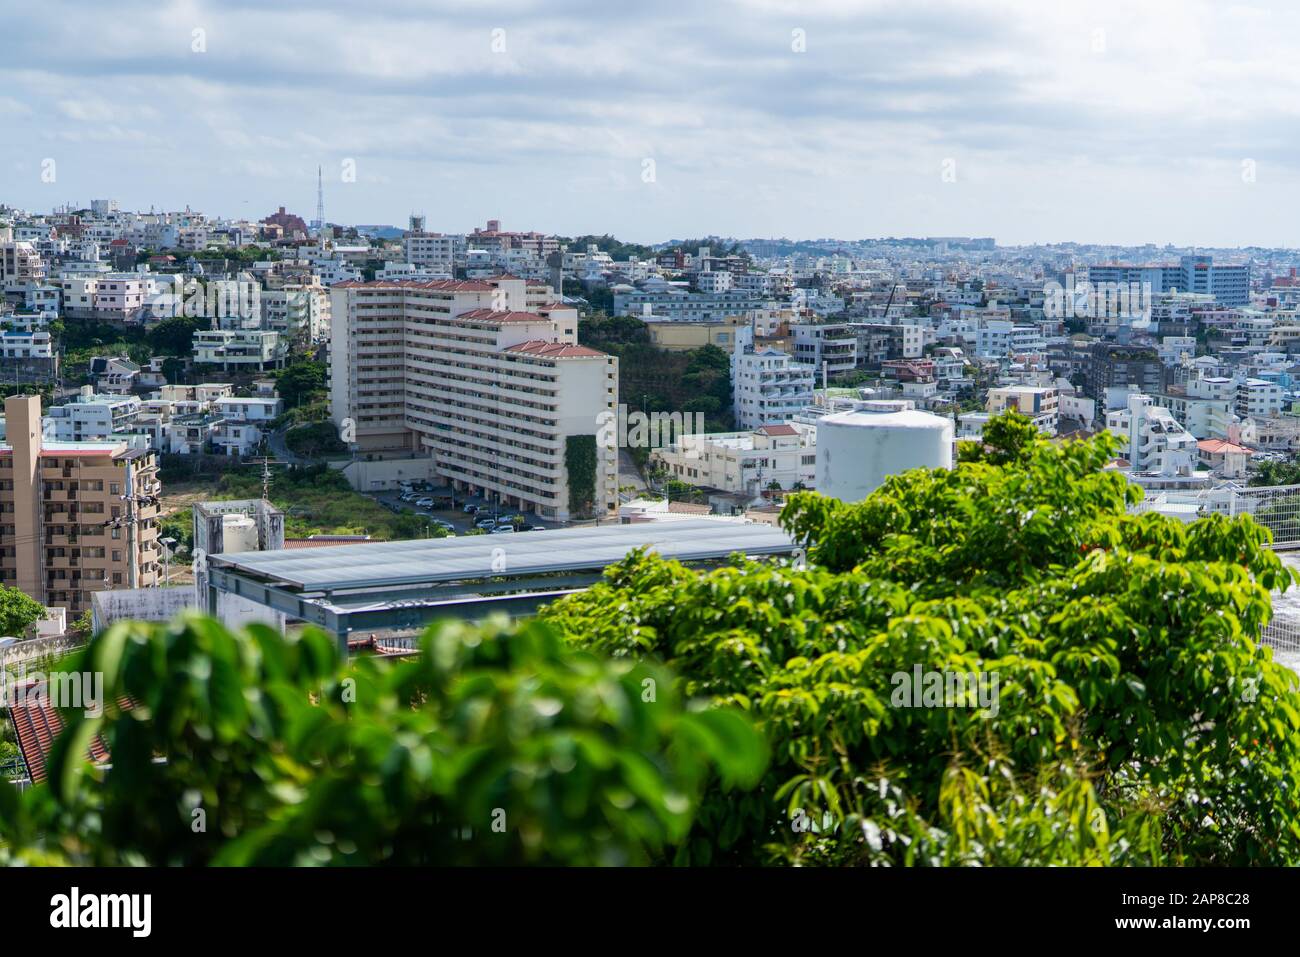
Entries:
{"x":1138,"y":719}
{"x":580,"y":465}
{"x":301,"y":382}
{"x":17,"y":611}
{"x":494,"y":745}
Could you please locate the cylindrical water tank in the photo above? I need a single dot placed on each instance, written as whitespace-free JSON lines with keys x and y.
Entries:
{"x":859,"y":449}
{"x":238,"y":534}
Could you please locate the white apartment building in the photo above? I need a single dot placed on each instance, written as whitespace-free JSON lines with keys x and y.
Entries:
{"x":1152,"y":440}
{"x":297,"y":312}
{"x":434,"y":250}
{"x":1258,"y":397}
{"x":21,"y":266}
{"x":1000,"y":338}
{"x":745,"y":463}
{"x":463,"y":372}
{"x":256,"y":411}
{"x":91,"y":417}
{"x":26,"y":344}
{"x":768,"y":386}
{"x":713,"y":282}
{"x":256,"y":348}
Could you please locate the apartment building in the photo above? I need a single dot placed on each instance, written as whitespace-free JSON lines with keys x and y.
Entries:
{"x":1037,"y":402}
{"x":1156,"y":446}
{"x":768,"y":386}
{"x":745,"y":463}
{"x":830,"y":346}
{"x":434,"y":250}
{"x":238,"y":348}
{"x":75,"y":517}
{"x":92,"y":416}
{"x":298,"y":312}
{"x":1193,"y":274}
{"x":1258,"y":397}
{"x":685,"y":306}
{"x":1111,"y":366}
{"x":21,"y":266}
{"x":463,"y":372}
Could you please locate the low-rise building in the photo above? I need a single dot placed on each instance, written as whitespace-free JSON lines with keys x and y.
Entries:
{"x":745,"y":462}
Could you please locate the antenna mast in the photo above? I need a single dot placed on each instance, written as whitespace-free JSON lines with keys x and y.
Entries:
{"x":320,"y":201}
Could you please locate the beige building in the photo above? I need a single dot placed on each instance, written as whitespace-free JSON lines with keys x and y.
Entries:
{"x":75,"y":517}
{"x":483,"y":377}
{"x":683,"y":336}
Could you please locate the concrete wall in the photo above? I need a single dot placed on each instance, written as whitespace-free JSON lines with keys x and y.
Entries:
{"x":387,"y":473}
{"x":139,"y":604}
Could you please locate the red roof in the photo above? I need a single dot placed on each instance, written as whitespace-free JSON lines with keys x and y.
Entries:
{"x":553,"y":350}
{"x":778,"y":430}
{"x":496,"y":315}
{"x":447,"y":285}
{"x":37,"y":723}
{"x":1220,"y":447}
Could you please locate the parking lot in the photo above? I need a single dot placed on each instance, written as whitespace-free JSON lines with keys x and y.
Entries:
{"x":455,"y":517}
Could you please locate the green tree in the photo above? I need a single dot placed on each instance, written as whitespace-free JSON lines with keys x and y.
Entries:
{"x":1135,"y":718}
{"x":289,"y":756}
{"x":1276,"y":473}
{"x":17,"y":611}
{"x":301,"y":382}
{"x":175,"y":336}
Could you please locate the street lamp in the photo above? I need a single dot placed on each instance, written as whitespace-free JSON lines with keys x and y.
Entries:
{"x":167,"y":544}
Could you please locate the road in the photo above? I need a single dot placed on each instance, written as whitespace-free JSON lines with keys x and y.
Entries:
{"x":280,"y":450}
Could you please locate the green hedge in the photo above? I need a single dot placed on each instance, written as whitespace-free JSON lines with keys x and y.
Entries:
{"x":580,"y":463}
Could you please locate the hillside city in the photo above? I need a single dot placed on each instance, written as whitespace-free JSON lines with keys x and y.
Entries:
{"x":362,"y":429}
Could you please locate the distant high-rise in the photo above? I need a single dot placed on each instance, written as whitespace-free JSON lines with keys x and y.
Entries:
{"x":1230,"y":285}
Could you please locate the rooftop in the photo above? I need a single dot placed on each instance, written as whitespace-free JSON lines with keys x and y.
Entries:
{"x":420,"y":561}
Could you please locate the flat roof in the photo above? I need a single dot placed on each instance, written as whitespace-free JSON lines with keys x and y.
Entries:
{"x":377,"y":564}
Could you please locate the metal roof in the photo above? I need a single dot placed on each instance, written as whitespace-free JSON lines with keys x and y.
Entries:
{"x":378,"y":564}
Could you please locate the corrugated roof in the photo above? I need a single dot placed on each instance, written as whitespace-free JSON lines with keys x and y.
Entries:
{"x":375,"y":564}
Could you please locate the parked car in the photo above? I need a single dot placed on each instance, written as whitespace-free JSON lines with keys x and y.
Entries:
{"x":502,"y":528}
{"x":471,"y":509}
{"x":443,"y":523}
{"x":488,"y":523}
{"x":537,"y":528}
{"x":425,"y":502}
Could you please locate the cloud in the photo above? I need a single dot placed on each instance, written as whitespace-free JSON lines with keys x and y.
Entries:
{"x":1100,"y":121}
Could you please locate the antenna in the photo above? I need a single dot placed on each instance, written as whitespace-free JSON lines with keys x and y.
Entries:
{"x":320,"y":200}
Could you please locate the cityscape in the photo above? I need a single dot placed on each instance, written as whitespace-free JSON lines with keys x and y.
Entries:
{"x":354,"y":518}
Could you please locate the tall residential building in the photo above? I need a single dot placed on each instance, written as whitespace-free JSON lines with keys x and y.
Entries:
{"x":467,"y":373}
{"x":75,"y":517}
{"x":768,"y":386}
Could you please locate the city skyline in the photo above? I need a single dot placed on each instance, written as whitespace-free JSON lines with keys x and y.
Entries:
{"x":1164,"y":124}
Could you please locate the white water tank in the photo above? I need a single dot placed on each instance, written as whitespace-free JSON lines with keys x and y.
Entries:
{"x":238,"y":534}
{"x":857,"y":450}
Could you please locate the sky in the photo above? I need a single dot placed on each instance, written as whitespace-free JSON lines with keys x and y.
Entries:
{"x":1108,"y":121}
